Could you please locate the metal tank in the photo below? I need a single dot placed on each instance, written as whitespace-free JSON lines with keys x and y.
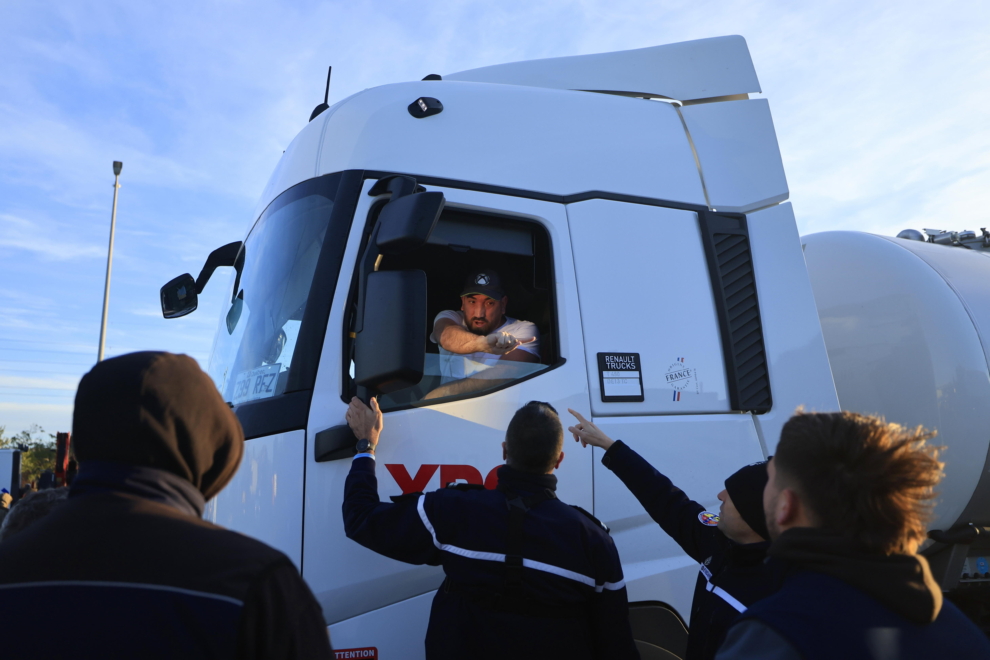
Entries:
{"x":907,"y":329}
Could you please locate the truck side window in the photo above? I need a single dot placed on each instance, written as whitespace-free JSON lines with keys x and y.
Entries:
{"x":504,"y":267}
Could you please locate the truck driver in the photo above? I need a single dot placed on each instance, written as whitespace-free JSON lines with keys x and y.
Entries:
{"x":480,"y":336}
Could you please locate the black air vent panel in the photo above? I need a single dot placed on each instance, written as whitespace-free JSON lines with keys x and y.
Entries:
{"x":730,"y":264}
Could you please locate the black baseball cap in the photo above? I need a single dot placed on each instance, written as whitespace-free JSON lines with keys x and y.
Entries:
{"x":486,"y":282}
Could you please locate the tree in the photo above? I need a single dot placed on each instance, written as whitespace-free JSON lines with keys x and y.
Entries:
{"x":37,"y":451}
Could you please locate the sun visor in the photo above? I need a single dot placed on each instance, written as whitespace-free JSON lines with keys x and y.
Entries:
{"x":691,"y":70}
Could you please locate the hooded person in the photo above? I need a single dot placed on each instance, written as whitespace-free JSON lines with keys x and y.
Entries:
{"x":729,"y":546}
{"x":129,"y":555}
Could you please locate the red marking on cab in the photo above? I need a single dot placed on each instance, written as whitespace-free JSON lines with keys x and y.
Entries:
{"x":448,"y":474}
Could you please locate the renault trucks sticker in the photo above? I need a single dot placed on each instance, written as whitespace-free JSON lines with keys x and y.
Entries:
{"x":620,"y":376}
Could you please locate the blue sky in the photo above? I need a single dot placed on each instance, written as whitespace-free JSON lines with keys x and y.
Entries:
{"x":880,"y":109}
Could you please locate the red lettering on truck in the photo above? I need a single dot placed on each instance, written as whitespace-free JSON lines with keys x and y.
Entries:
{"x":448,"y":474}
{"x":408,"y":484}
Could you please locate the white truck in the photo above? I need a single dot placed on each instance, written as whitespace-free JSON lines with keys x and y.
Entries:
{"x":636,"y":208}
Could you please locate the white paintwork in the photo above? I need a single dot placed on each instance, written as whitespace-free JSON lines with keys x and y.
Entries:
{"x":298,"y":162}
{"x":697,"y":452}
{"x":544,"y":140}
{"x":396,"y":631}
{"x":738,"y":152}
{"x":705,"y":68}
{"x":898,"y":319}
{"x":792,"y":334}
{"x":644,"y":288}
{"x":265,"y":498}
{"x":467,"y":432}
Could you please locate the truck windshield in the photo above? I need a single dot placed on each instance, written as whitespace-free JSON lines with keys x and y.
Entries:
{"x":256,"y":338}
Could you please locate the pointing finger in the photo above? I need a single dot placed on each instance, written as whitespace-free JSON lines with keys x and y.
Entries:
{"x":578,"y":415}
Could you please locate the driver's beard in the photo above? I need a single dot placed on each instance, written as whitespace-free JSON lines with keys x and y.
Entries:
{"x":484,"y":330}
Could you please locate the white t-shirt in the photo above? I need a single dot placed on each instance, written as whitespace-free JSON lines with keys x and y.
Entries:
{"x":454,"y":366}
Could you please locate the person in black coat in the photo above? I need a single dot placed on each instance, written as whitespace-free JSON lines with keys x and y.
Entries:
{"x":729,"y":546}
{"x":527,"y":576}
{"x":128,"y":560}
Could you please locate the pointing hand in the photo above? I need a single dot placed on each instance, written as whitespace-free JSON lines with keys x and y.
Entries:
{"x":587,"y":433}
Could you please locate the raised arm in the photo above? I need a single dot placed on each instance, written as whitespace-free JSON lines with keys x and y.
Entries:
{"x":456,"y":339}
{"x":394,"y":530}
{"x":667,"y":504}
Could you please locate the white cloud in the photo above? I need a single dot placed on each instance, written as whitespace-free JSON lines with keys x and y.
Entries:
{"x":26,"y":382}
{"x":22,"y":234}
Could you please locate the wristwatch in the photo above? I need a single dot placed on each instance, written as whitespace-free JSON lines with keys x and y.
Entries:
{"x":364,"y":446}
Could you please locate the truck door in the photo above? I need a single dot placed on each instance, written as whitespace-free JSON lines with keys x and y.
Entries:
{"x":647,"y":300}
{"x":442,"y":430}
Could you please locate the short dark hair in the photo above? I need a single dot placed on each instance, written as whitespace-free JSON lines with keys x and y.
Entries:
{"x":866,"y":479}
{"x":534,"y":438}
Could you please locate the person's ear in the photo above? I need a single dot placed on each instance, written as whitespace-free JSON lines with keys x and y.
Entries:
{"x":505,"y":303}
{"x":463,"y":304}
{"x":560,"y":459}
{"x":505,"y":452}
{"x":788,"y":506}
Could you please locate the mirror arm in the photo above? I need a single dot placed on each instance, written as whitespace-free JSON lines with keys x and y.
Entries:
{"x":366,"y":267}
{"x":398,"y":185}
{"x":222,"y":256}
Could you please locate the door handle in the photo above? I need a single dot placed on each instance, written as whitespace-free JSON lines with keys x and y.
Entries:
{"x":334,"y":443}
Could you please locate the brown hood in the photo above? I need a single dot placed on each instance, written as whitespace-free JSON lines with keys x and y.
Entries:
{"x":902,"y":583}
{"x":158,"y":410}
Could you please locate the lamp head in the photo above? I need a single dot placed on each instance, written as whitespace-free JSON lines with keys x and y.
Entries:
{"x":117,"y":166}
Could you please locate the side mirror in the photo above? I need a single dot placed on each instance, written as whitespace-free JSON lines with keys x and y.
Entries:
{"x":407,"y":222}
{"x":388,"y":352}
{"x":179,"y":297}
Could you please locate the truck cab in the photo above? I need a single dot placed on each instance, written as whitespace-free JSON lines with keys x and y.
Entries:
{"x":635,"y":206}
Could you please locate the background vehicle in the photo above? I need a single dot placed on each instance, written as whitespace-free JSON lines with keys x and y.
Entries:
{"x":635,"y":205}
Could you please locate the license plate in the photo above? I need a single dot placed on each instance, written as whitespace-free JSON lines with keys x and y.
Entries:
{"x":256,"y":384}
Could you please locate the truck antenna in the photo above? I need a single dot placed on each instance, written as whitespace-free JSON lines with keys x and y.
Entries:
{"x":326,"y":95}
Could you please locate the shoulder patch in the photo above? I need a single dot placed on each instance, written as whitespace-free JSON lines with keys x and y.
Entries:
{"x":708,"y":518}
{"x":596,"y":520}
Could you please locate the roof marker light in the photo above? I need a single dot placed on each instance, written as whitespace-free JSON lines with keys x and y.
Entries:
{"x":425,"y":106}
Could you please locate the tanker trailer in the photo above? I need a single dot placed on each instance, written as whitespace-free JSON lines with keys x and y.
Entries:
{"x":906,"y":325}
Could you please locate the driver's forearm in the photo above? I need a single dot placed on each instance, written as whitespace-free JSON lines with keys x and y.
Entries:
{"x":458,"y":340}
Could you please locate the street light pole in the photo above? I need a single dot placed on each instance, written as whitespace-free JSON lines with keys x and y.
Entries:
{"x":117,"y":166}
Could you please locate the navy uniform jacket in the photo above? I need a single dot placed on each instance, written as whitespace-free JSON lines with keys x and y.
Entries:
{"x":731,"y":576}
{"x":571,"y":574}
{"x":839,"y":601}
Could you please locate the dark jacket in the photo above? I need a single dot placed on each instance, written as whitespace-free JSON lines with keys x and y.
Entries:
{"x":573,"y":600}
{"x":126,"y":568}
{"x":840,"y":602}
{"x":738,"y":577}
